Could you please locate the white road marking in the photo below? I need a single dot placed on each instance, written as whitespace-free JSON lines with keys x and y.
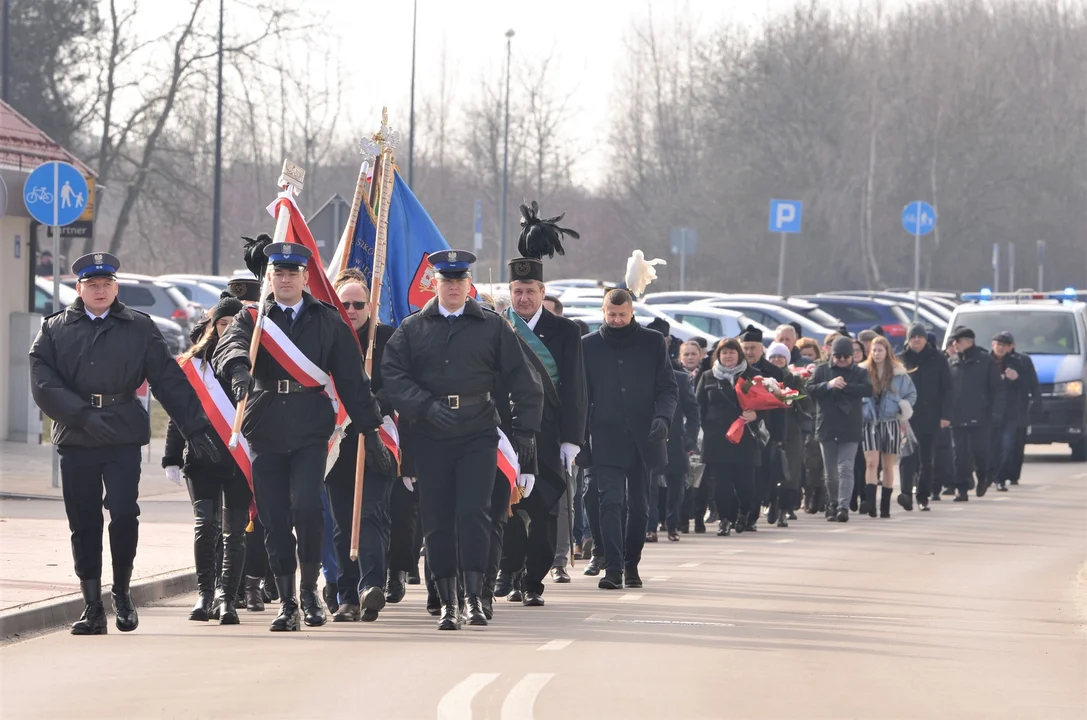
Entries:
{"x":519,"y":703}
{"x":1040,"y":488}
{"x":457,"y":703}
{"x":600,"y":617}
{"x":690,"y":565}
{"x":555,"y":645}
{"x":1002,"y":498}
{"x":1080,"y":475}
{"x":784,"y":540}
{"x":729,"y":552}
{"x":840,"y":530}
{"x":954,"y":509}
{"x":692,"y":623}
{"x":661,"y":578}
{"x":631,"y":597}
{"x":857,"y":617}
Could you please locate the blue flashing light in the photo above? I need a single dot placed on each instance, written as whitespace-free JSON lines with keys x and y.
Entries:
{"x":986,"y":291}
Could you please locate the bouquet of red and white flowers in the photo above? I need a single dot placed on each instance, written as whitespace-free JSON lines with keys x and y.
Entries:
{"x":759,"y":393}
{"x":803,"y":372}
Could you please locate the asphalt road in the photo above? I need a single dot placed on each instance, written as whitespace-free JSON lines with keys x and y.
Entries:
{"x":969,"y":611}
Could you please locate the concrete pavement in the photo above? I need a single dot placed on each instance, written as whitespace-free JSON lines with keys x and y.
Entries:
{"x":970,"y":611}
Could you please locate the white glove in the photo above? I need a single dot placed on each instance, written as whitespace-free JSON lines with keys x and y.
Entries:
{"x":526,"y":483}
{"x":568,"y":452}
{"x":409,"y":483}
{"x":173,"y":474}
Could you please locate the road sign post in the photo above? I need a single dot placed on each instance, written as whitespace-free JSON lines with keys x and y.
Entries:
{"x":996,"y":267}
{"x":1011,"y":266}
{"x":1041,"y":266}
{"x":684,"y":242}
{"x":56,"y":194}
{"x":478,"y":240}
{"x":918,"y":218}
{"x":785,"y":218}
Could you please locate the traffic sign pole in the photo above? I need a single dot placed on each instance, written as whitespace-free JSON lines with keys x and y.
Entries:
{"x":918,"y":218}
{"x":54,"y":480}
{"x":917,"y":267}
{"x":781,"y":267}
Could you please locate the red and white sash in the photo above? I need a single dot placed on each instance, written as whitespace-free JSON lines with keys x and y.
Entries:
{"x":507,"y":460}
{"x":219,"y":409}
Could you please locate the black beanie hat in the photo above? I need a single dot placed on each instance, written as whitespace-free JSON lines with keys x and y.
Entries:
{"x":842,"y":346}
{"x":916,"y":330}
{"x":751,"y":334}
{"x":228,"y":306}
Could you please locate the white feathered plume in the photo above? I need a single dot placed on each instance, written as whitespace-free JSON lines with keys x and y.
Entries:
{"x":640,"y":272}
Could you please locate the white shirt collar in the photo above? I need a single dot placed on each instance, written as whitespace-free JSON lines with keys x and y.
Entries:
{"x":296,"y":307}
{"x":448,"y":313}
{"x":531,"y":322}
{"x":92,"y":316}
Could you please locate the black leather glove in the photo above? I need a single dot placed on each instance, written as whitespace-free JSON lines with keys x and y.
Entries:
{"x":658,"y":430}
{"x":378,"y":457}
{"x":203,"y":446}
{"x":99,"y":430}
{"x":525,"y":445}
{"x":240,"y":381}
{"x":440,"y":416}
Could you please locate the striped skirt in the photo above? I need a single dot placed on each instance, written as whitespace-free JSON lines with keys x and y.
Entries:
{"x":883,"y":436}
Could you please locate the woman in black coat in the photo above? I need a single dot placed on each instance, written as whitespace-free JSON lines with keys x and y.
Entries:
{"x":210,"y":484}
{"x":730,"y":466}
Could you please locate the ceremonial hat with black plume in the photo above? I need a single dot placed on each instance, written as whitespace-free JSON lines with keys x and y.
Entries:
{"x":539,"y":237}
{"x":255,"y":259}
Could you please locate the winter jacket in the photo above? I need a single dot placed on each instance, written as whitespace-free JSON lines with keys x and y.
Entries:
{"x":840,"y":417}
{"x":1021,"y":392}
{"x":683,"y":434}
{"x":977,"y":388}
{"x":932,"y":378}
{"x":719,"y":408}
{"x":895,"y":402}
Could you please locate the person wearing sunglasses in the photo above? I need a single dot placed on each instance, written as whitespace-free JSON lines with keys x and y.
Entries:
{"x":838,"y":388}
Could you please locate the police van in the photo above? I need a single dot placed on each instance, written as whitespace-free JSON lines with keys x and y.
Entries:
{"x":1050,"y":327}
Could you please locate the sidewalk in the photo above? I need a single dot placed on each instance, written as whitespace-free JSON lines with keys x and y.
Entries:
{"x":26,"y":471}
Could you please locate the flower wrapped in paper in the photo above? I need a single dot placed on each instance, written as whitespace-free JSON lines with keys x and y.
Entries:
{"x":736,"y":431}
{"x":761,"y":393}
{"x":803,"y":372}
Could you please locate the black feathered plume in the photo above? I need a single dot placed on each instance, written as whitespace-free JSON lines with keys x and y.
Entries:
{"x":541,"y":237}
{"x":255,"y":259}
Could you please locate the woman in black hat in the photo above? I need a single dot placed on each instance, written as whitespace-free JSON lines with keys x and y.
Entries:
{"x":211,"y":484}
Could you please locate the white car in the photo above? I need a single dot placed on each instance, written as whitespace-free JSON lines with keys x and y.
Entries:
{"x":719,"y":322}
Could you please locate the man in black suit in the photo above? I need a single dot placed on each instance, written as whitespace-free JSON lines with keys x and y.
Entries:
{"x":632,"y":399}
{"x":556,"y":341}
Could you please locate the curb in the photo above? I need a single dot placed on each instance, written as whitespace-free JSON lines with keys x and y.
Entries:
{"x":66,"y":609}
{"x":26,"y":496}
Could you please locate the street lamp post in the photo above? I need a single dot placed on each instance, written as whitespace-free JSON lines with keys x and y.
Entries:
{"x":411,"y":116}
{"x":506,"y":150}
{"x":216,"y":212}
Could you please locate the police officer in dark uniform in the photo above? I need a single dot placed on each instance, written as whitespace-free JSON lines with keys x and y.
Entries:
{"x":557,"y":343}
{"x":86,"y":364}
{"x":439,"y":371}
{"x":288,"y":424}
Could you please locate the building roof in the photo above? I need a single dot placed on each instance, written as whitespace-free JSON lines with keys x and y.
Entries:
{"x":23,"y":146}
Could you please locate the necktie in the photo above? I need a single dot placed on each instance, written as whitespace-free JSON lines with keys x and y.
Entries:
{"x":99,"y":322}
{"x":452,"y":320}
{"x":289,"y":313}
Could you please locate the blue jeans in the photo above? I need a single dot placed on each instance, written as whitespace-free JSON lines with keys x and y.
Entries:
{"x":1003,"y":452}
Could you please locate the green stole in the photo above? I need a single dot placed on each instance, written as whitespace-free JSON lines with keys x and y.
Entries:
{"x":535,"y":343}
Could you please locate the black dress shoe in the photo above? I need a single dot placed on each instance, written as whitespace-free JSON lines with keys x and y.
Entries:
{"x":948,"y":491}
{"x":560,"y":575}
{"x":773,"y":513}
{"x":1014,"y":482}
{"x":783,"y":520}
{"x":633,"y":580}
{"x":312,"y":612}
{"x":348,"y":612}
{"x":906,"y":501}
{"x":532,"y":599}
{"x":372,"y":602}
{"x":725,"y":530}
{"x":961,"y":497}
{"x":504,"y":584}
{"x":433,"y":604}
{"x":331,"y":595}
{"x":1002,"y":486}
{"x":699,"y":527}
{"x":842,"y":516}
{"x":127,"y":619}
{"x":832,"y":515}
{"x":792,"y":515}
{"x":611,"y":581}
{"x":488,"y":606}
{"x":93,"y":619}
{"x":413,"y":577}
{"x":651,"y":536}
{"x":982,"y":487}
{"x":450,"y":606}
{"x":288,"y":618}
{"x":593,"y":568}
{"x":394,"y":587}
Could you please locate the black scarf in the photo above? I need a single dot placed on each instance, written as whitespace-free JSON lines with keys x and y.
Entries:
{"x":620,"y":336}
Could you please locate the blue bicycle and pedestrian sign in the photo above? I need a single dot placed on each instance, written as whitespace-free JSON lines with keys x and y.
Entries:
{"x":56,"y":194}
{"x":918,"y":218}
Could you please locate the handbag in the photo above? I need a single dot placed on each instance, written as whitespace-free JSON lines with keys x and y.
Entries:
{"x":761,"y":433}
{"x":695,"y":472}
{"x":779,"y":465}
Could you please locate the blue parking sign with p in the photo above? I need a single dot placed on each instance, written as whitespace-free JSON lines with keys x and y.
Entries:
{"x":785,"y":216}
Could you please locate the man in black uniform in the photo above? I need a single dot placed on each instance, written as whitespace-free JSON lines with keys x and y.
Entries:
{"x":439,"y":371}
{"x":1021,"y":391}
{"x":86,"y":364}
{"x":977,"y":404}
{"x":289,"y":420}
{"x":632,"y":398}
{"x":557,"y":343}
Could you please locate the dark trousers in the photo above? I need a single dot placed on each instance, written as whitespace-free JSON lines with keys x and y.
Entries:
{"x":658,"y":501}
{"x":1003,"y":448}
{"x":533,"y":546}
{"x":84,"y":472}
{"x":404,"y":513}
{"x":1015,"y":467}
{"x":618,"y":487}
{"x":289,"y":489}
{"x":455,"y":481}
{"x":581,"y":522}
{"x":700,"y":500}
{"x":971,"y":447}
{"x":369,"y":569}
{"x":592,"y":512}
{"x":231,"y":488}
{"x":256,"y":555}
{"x":677,"y":488}
{"x":944,"y":471}
{"x":735,"y":491}
{"x":920,"y":467}
{"x":500,"y":503}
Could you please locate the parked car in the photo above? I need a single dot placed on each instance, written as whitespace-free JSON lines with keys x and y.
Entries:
{"x":674,"y":297}
{"x":154,"y":297}
{"x":216,"y":281}
{"x":770,"y":316}
{"x":43,"y":303}
{"x":719,"y":322}
{"x":679,"y":330}
{"x":905,"y":299}
{"x":863,"y":313}
{"x":203,"y":294}
{"x":806,"y":308}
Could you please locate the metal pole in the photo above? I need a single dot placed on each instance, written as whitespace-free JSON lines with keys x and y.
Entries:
{"x":506,"y":149}
{"x":781,"y":267}
{"x":917,"y":264}
{"x":5,"y":30}
{"x":1041,"y":266}
{"x":55,"y":479}
{"x":411,"y":114}
{"x":683,"y":267}
{"x":996,"y":267}
{"x":1011,"y":266}
{"x":216,"y":226}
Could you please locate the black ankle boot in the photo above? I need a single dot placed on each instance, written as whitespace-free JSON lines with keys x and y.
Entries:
{"x":473,"y":598}
{"x":447,"y":594}
{"x":885,"y":502}
{"x":313,"y":613}
{"x":503,"y":584}
{"x":233,"y":560}
{"x":394,"y":587}
{"x":254,"y":599}
{"x":127,"y":620}
{"x":288,"y":617}
{"x":868,"y":505}
{"x":204,"y":536}
{"x":93,"y":620}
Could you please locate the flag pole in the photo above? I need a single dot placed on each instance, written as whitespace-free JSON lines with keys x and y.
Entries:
{"x":290,"y":180}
